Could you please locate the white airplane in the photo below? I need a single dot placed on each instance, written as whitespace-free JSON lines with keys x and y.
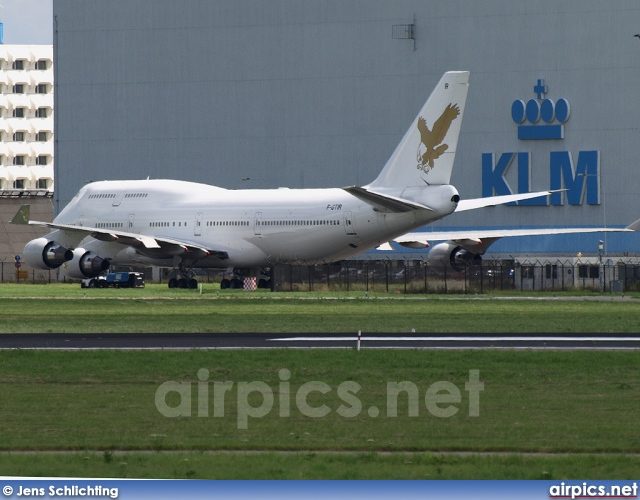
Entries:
{"x":186,"y":225}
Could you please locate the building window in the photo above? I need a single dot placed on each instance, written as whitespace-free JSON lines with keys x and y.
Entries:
{"x":18,"y":113}
{"x":18,"y":136}
{"x":42,"y":160}
{"x":42,"y":184}
{"x":41,"y":64}
{"x":41,"y":136}
{"x":583,"y":271}
{"x":41,"y":88}
{"x":41,"y":113}
{"x":18,"y":64}
{"x":527,"y":272}
{"x":591,"y":272}
{"x":18,"y":184}
{"x":18,"y":88}
{"x":551,"y":271}
{"x":18,"y":160}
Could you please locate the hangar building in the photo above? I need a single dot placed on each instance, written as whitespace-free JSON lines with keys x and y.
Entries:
{"x":303,"y":93}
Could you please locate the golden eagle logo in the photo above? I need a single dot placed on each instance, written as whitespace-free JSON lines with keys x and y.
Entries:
{"x":431,"y":146}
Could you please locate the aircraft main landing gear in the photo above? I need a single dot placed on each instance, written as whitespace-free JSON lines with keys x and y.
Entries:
{"x":231,"y":283}
{"x":185,"y":278}
{"x":183,"y":283}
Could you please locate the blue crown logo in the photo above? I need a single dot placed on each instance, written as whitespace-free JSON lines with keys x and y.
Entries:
{"x":540,"y":109}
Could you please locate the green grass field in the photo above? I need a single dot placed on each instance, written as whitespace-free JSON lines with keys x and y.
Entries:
{"x":314,"y":465}
{"x":67,"y":308}
{"x":580,"y":403}
{"x":542,"y":414}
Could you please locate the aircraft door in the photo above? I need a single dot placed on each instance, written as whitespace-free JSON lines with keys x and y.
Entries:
{"x":197,"y":228}
{"x":348,"y":224}
{"x":131,"y":219}
{"x":257,"y":227}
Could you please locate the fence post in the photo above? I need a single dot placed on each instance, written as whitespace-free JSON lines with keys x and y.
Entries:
{"x":366,"y":272}
{"x":405,"y":275}
{"x":386,"y":276}
{"x":541,"y":276}
{"x":465,"y":278}
{"x":445,"y":278}
{"x":521,"y":278}
{"x":347,"y":277}
{"x":328,"y":277}
{"x":425,"y":270}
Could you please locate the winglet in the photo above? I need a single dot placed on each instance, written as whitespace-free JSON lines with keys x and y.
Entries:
{"x":634,"y":226}
{"x":22,"y":217}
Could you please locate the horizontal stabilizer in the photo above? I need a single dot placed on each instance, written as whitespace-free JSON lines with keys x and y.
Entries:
{"x":491,"y":201}
{"x":383,"y":202}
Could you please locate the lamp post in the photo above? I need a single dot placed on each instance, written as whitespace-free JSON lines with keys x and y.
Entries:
{"x":601,"y":270}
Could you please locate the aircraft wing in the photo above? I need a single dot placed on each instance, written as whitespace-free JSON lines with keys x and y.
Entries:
{"x":160,"y":246}
{"x":481,"y":239}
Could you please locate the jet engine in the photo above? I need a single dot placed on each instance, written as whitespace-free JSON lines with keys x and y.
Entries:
{"x":45,"y":254}
{"x":85,"y":264}
{"x":453,"y":256}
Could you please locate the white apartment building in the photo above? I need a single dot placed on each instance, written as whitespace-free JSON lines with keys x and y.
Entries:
{"x":26,"y":120}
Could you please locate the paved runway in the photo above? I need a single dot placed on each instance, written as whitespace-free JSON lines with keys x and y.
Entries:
{"x":314,"y":340}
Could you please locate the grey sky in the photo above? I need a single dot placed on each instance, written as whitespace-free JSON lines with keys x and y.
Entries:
{"x":27,"y":22}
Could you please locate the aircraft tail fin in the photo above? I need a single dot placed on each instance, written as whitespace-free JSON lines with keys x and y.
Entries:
{"x":427,"y":151}
{"x":22,"y":216}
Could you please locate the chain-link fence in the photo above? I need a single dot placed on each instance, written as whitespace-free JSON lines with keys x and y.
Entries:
{"x":419,"y":276}
{"x":10,"y":273}
{"x":409,"y":276}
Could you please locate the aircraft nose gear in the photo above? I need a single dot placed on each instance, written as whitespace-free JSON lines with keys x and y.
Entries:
{"x":185,"y":277}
